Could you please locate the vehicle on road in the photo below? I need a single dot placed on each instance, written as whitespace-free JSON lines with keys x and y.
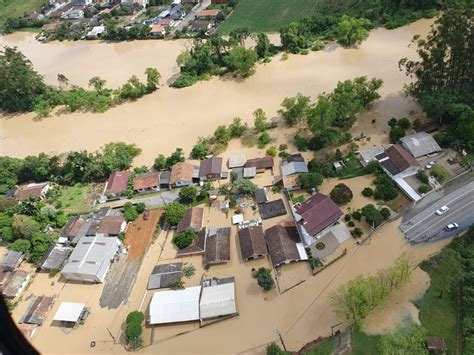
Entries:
{"x":451,"y":226}
{"x":442,"y":210}
{"x":430,"y":164}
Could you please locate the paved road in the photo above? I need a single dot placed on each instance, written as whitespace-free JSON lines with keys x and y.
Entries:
{"x":192,"y":14}
{"x":427,"y":226}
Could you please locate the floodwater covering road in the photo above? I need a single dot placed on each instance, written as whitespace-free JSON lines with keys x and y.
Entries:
{"x":170,"y":118}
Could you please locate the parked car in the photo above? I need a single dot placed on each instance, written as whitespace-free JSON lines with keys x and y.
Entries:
{"x":442,"y":210}
{"x":146,"y":215}
{"x":430,"y":164}
{"x":451,"y":226}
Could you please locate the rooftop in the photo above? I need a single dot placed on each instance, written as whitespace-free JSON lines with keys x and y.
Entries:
{"x":31,"y":190}
{"x":69,"y":312}
{"x":193,"y":219}
{"x":147,"y":181}
{"x":181,"y":172}
{"x":272,"y":209}
{"x":260,"y":163}
{"x":165,"y":275}
{"x":252,"y":242}
{"x":118,"y":181}
{"x":237,"y":161}
{"x":217,"y":248}
{"x":217,"y":300}
{"x":111,"y":225}
{"x":208,"y":13}
{"x":175,"y":306}
{"x":11,"y":260}
{"x":281,"y":243}
{"x":37,"y":310}
{"x":420,"y":144}
{"x":399,"y":159}
{"x":210,"y":166}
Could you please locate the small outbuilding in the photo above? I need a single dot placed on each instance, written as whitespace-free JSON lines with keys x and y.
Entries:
{"x":436,"y":344}
{"x":11,"y":260}
{"x":237,"y":161}
{"x":217,"y":298}
{"x":368,"y":155}
{"x":165,"y":275}
{"x":272,"y":209}
{"x":70,"y":312}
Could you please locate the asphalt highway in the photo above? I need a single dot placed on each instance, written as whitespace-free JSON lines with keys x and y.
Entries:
{"x":427,"y":226}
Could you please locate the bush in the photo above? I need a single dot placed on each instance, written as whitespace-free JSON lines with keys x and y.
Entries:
{"x":264,"y":279}
{"x":357,"y":216}
{"x":263,"y":140}
{"x":357,"y":232}
{"x":385,"y":213}
{"x":188,"y":194}
{"x":135,"y":317}
{"x":347,"y":217}
{"x":140,"y":207}
{"x":351,"y":224}
{"x":200,"y":150}
{"x":392,"y":122}
{"x":341,"y":193}
{"x":310,"y":180}
{"x":236,"y":128}
{"x":372,"y":215}
{"x":404,"y":123}
{"x":273,"y":349}
{"x":184,"y":239}
{"x":283,"y":154}
{"x":301,"y":143}
{"x":385,"y":188}
{"x":367,"y":192}
{"x":395,"y":134}
{"x":174,"y":212}
{"x":439,"y":173}
{"x":272,"y":151}
{"x":129,"y":212}
{"x":189,"y":270}
{"x":424,"y":188}
{"x":422,"y":176}
{"x":298,"y":199}
{"x":282,"y":147}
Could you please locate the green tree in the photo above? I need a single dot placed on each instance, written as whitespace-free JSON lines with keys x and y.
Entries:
{"x":357,"y":232}
{"x":152,"y":78}
{"x":24,"y":227}
{"x":174,"y":212}
{"x":222,"y":135}
{"x":265,"y":279}
{"x":140,"y":207}
{"x":129,"y":212}
{"x":449,"y":270}
{"x":188,"y":194}
{"x":341,"y":194}
{"x":395,"y":134}
{"x":21,"y":245}
{"x":351,"y":31}
{"x":263,"y":140}
{"x":310,"y":180}
{"x":9,"y":168}
{"x":200,"y":149}
{"x":273,"y":349}
{"x":21,"y":84}
{"x":244,"y":187}
{"x":372,"y":215}
{"x":40,"y":243}
{"x":408,"y":340}
{"x":184,"y":239}
{"x":236,"y":128}
{"x":97,"y":83}
{"x":260,"y":121}
{"x":119,"y":156}
{"x":263,"y":46}
{"x":367,"y":192}
{"x":295,"y":109}
{"x":188,"y":270}
{"x":176,"y":157}
{"x":404,"y":123}
{"x":160,"y":162}
{"x":239,"y":35}
{"x":135,"y":317}
{"x":241,"y":60}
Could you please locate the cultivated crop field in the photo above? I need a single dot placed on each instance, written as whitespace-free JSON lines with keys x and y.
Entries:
{"x":267,"y":15}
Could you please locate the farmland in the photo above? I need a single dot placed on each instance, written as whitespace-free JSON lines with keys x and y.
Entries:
{"x":267,"y":15}
{"x":15,"y":8}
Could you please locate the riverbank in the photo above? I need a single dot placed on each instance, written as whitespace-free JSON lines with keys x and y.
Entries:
{"x":186,"y":114}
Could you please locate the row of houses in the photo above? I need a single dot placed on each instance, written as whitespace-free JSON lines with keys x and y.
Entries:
{"x":12,"y":280}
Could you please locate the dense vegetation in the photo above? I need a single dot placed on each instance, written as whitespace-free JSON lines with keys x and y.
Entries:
{"x":271,"y":15}
{"x":75,"y":167}
{"x":24,"y":89}
{"x":444,"y":74}
{"x":133,"y":329}
{"x":265,"y":279}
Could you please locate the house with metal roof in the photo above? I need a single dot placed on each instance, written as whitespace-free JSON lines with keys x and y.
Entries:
{"x":261,"y":195}
{"x":293,"y":164}
{"x":314,"y":215}
{"x":368,"y":155}
{"x":15,"y":283}
{"x":165,"y":275}
{"x":54,"y":258}
{"x":217,"y":298}
{"x":272,"y":209}
{"x":260,"y":164}
{"x":252,"y":243}
{"x":90,"y":259}
{"x":237,"y":161}
{"x":420,"y":144}
{"x":175,"y":306}
{"x":217,"y":247}
{"x":211,"y":169}
{"x":117,"y":183}
{"x":11,"y":260}
{"x":37,"y":310}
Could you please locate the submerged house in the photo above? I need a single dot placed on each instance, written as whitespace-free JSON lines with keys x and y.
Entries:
{"x":284,"y":245}
{"x":11,"y":260}
{"x":117,"y":183}
{"x":14,"y":283}
{"x":420,"y":145}
{"x":252,"y":243}
{"x":181,"y":174}
{"x":314,"y":215}
{"x":165,"y":275}
{"x":211,"y":169}
{"x":192,"y":220}
{"x":293,"y":165}
{"x":37,"y":191}
{"x":260,"y":164}
{"x":147,"y":182}
{"x":217,"y":247}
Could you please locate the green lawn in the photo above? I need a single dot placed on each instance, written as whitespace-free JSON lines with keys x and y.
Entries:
{"x":15,"y":8}
{"x":267,"y":15}
{"x":438,"y":315}
{"x":364,"y":344}
{"x":73,"y":199}
{"x":325,"y":348}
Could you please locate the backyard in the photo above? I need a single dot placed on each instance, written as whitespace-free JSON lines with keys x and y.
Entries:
{"x":73,"y":199}
{"x":15,"y":8}
{"x":267,"y":15}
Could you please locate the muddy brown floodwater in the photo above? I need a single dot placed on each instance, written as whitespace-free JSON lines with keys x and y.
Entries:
{"x":170,"y":117}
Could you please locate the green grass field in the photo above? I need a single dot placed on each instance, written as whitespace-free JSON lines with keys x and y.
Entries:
{"x":364,"y":344}
{"x":438,"y":315}
{"x":15,"y":8}
{"x":325,"y":348}
{"x":267,"y":15}
{"x":73,"y":199}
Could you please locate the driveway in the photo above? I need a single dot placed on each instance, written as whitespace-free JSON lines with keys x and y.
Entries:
{"x":425,"y":226}
{"x":150,"y":200}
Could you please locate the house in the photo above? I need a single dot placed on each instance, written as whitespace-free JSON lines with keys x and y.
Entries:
{"x":34,"y":16}
{"x":181,"y":174}
{"x":11,"y":260}
{"x":167,"y":22}
{"x":260,"y":164}
{"x":217,"y":247}
{"x":284,"y":245}
{"x":290,"y":182}
{"x":53,"y":15}
{"x":314,"y":215}
{"x":73,"y":228}
{"x":396,"y":160}
{"x":37,"y":310}
{"x":16,"y":283}
{"x":217,"y":298}
{"x":164,"y":14}
{"x":165,"y":275}
{"x":252,"y":243}
{"x":197,"y":26}
{"x":142,"y":3}
{"x":158,"y":30}
{"x":272,"y":209}
{"x":368,"y":155}
{"x":237,"y":161}
{"x":34,"y":190}
{"x":165,"y":177}
{"x":70,"y":313}
{"x":207,"y":14}
{"x":197,"y":248}
{"x":250,"y":172}
{"x":192,"y":220}
{"x":110,"y":226}
{"x":293,"y":165}
{"x":436,"y":344}
{"x":177,"y":12}
{"x":420,"y":145}
{"x":261,"y":195}
{"x":117,"y":183}
{"x":175,"y":306}
{"x":90,"y":259}
{"x":211,"y":169}
{"x":147,"y":182}
{"x":54,"y":258}
{"x":96,"y":32}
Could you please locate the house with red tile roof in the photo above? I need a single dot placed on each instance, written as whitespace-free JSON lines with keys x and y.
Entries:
{"x":211,"y":169}
{"x":181,"y":174}
{"x":192,"y":220}
{"x":207,"y":14}
{"x":117,"y":183}
{"x":314,"y":215}
{"x":37,"y":191}
{"x":147,"y":182}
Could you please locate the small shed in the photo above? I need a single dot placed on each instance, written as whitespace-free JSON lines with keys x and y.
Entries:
{"x":70,"y":312}
{"x":165,"y":275}
{"x":250,"y":172}
{"x":237,"y":161}
{"x":261,"y":195}
{"x":436,"y":344}
{"x":11,"y":260}
{"x":237,"y":218}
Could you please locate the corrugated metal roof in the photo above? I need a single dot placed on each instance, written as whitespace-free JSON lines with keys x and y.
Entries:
{"x":218,"y":300}
{"x":237,"y":161}
{"x":294,"y":167}
{"x":69,"y":312}
{"x":420,"y":144}
{"x":175,"y":306}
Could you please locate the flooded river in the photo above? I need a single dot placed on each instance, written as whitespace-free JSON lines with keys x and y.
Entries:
{"x":170,"y":118}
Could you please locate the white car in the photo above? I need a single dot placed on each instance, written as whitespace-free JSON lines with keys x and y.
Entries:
{"x":442,"y":210}
{"x":451,"y":226}
{"x":430,"y":164}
